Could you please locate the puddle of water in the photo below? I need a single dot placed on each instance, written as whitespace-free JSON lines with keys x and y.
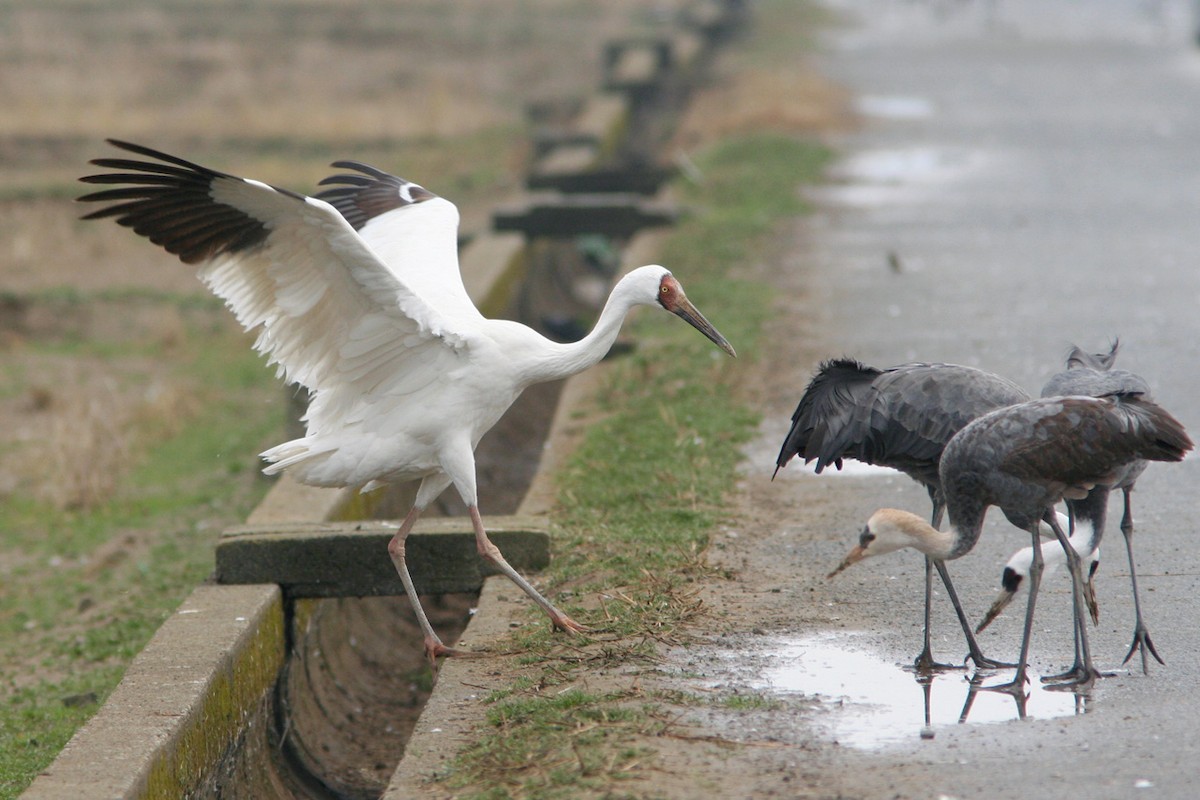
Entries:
{"x":907,"y":165}
{"x":873,"y":703}
{"x":850,"y":469}
{"x":895,"y":106}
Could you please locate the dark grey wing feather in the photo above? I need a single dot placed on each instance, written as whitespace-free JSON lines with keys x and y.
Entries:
{"x":824,"y":410}
{"x":170,"y":202}
{"x":915,"y":409}
{"x":1101,"y":362}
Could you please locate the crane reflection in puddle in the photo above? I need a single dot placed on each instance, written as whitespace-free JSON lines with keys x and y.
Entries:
{"x":872,"y":703}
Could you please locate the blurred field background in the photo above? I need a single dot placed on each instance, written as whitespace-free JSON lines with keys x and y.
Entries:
{"x":131,"y":407}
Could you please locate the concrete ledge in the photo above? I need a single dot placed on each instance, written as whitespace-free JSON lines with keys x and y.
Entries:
{"x":350,"y":559}
{"x":182,"y":703}
{"x":453,"y":714}
{"x":620,"y":215}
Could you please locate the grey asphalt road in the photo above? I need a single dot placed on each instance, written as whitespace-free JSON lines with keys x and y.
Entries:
{"x":1028,"y":177}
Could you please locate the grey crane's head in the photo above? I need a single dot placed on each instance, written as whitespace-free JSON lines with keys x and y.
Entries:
{"x":656,"y":284}
{"x":1016,"y":571}
{"x":890,"y":529}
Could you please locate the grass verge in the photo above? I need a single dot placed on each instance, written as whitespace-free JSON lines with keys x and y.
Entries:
{"x":85,"y":586}
{"x":642,"y":494}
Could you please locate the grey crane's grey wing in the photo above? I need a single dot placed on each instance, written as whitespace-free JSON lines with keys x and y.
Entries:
{"x":1081,"y":442}
{"x":918,"y":408}
{"x":1095,"y":383}
{"x":1077,"y":358}
{"x":819,"y":423}
{"x":328,"y":311}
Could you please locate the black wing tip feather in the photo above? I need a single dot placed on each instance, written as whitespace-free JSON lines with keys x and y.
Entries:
{"x":169,"y":201}
{"x":368,"y":192}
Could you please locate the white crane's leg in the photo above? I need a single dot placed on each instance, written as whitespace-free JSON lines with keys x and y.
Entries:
{"x":459,"y":465}
{"x":433,"y":643}
{"x":492,"y":553}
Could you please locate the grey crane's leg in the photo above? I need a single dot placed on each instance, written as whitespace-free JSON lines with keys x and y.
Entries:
{"x":924,"y":664}
{"x":1081,"y":675}
{"x":975,"y":653}
{"x":924,"y":661}
{"x":1016,"y":687}
{"x":492,"y":553}
{"x":433,"y":643}
{"x":1141,"y":636}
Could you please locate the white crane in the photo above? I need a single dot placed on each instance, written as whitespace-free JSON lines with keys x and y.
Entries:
{"x":360,"y":300}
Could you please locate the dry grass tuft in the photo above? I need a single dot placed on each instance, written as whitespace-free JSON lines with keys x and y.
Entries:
{"x":87,"y":448}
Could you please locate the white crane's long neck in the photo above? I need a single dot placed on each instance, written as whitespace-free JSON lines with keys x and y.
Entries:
{"x":565,"y":360}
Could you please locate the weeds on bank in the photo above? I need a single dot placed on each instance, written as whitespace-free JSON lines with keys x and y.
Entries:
{"x":640,"y":498}
{"x":87,"y":580}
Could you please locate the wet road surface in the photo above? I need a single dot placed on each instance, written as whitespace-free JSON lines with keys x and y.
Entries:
{"x":1027,"y":177}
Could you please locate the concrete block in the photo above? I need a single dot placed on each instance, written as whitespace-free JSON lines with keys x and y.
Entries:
{"x":350,"y":559}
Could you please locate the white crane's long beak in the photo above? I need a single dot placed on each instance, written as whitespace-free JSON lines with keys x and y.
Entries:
{"x":692,"y":315}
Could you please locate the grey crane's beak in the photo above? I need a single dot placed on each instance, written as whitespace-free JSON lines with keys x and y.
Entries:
{"x":853,"y":557}
{"x":693,"y":317}
{"x":1089,"y":597}
{"x":1002,"y":600}
{"x":1005,"y":597}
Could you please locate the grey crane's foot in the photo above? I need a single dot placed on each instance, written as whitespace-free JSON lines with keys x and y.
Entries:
{"x":924,"y":664}
{"x":1141,"y":642}
{"x":1015,"y":687}
{"x":984,"y":663}
{"x":1080,"y":677}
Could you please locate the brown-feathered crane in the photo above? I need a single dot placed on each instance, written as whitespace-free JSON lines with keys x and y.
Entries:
{"x":901,"y":417}
{"x":1024,"y":459}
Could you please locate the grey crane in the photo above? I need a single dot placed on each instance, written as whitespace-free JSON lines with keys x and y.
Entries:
{"x":902,"y":418}
{"x":1024,"y":459}
{"x":1092,"y":375}
{"x":357,"y":296}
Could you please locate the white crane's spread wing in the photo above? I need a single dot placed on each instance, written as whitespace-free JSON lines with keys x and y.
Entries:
{"x":329,"y":312}
{"x":409,"y":227}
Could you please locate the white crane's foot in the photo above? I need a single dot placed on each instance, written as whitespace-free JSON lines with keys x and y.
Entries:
{"x":565,"y":623}
{"x":434,"y":649}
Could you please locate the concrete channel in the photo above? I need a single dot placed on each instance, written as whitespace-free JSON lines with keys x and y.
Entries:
{"x":285,"y":678}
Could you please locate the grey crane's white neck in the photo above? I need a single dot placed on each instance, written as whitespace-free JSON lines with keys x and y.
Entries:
{"x":894,"y":529}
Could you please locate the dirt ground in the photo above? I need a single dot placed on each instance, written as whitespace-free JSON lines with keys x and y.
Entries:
{"x":719,"y":751}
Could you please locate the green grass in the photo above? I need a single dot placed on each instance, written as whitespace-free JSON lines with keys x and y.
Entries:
{"x":643,"y":492}
{"x":69,"y":621}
